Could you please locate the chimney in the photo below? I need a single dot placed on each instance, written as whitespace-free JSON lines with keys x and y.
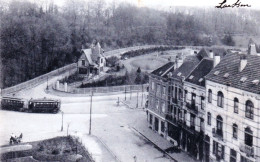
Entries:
{"x":211,"y":54}
{"x":216,"y":60}
{"x":178,"y":62}
{"x":242,"y":63}
{"x":252,"y":49}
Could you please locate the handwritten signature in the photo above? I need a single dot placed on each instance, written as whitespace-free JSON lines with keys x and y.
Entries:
{"x":237,"y":4}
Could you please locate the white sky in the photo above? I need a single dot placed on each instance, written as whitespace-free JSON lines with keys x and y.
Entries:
{"x":167,"y":3}
{"x":159,"y":4}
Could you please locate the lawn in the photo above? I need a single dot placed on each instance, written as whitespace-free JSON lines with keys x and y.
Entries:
{"x":152,"y":61}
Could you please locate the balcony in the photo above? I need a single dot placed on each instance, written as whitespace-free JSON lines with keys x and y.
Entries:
{"x":217,"y":134}
{"x":248,"y":150}
{"x":191,"y":129}
{"x":171,"y":118}
{"x":192,"y":107}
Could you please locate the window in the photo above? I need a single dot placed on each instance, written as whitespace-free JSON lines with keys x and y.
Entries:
{"x":193,"y":99}
{"x":202,"y":102}
{"x":233,"y":155}
{"x":101,"y":60}
{"x":220,"y":101}
{"x":235,"y":131}
{"x":216,"y":72}
{"x":219,"y":125}
{"x":243,"y":79}
{"x":164,"y":90}
{"x":192,"y":121}
{"x":83,"y":62}
{"x":236,"y":102}
{"x":158,"y":89}
{"x":248,"y":137}
{"x":209,"y":118}
{"x":185,"y":95}
{"x":152,"y":85}
{"x":163,"y":107}
{"x":218,"y":150}
{"x":180,"y":94}
{"x":157,"y":104}
{"x":151,"y":119}
{"x":249,"y":109}
{"x":244,"y":159}
{"x":226,"y":75}
{"x":162,"y":126}
{"x":255,"y":82}
{"x":209,"y":95}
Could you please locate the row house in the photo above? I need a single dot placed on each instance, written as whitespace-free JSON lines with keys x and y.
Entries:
{"x":175,"y":109}
{"x":192,"y":138}
{"x":158,"y":97}
{"x":232,"y":127}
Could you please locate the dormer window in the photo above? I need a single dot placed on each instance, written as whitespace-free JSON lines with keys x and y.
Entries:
{"x":226,"y":75}
{"x":201,"y":79}
{"x":243,"y":79}
{"x":191,"y":77}
{"x":255,"y":82}
{"x":179,"y":74}
{"x":216,"y":73}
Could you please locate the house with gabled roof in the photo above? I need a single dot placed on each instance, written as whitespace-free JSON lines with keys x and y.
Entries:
{"x":192,"y":132}
{"x":232,"y":107}
{"x":167,"y":111}
{"x":92,"y":60}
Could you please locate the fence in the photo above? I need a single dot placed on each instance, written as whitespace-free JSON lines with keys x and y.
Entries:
{"x":36,"y":81}
{"x":111,"y":89}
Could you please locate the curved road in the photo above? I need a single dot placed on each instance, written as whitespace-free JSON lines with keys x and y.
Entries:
{"x":110,"y":123}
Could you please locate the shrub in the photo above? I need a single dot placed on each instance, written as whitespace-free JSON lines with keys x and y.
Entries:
{"x":55,"y":151}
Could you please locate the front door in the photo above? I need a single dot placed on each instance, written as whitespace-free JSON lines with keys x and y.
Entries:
{"x":156,"y":124}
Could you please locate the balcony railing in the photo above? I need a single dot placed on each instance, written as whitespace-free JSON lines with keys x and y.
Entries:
{"x":217,"y":134}
{"x":171,"y":118}
{"x":189,"y":128}
{"x":249,"y":150}
{"x":192,"y":107}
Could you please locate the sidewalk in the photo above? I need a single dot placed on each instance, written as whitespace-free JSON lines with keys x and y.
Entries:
{"x":96,"y":148}
{"x":142,"y":128}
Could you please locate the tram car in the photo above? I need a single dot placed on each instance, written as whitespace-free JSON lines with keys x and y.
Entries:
{"x":11,"y":103}
{"x":33,"y":105}
{"x":44,"y":105}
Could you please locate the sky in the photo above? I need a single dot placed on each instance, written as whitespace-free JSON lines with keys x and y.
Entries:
{"x":166,"y":4}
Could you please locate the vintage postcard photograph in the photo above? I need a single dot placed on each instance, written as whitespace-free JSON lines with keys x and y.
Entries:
{"x":130,"y":80}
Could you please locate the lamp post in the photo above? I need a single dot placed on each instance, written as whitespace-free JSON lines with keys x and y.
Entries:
{"x":61,"y":121}
{"x":47,"y":88}
{"x":90,"y":112}
{"x":137,"y":100}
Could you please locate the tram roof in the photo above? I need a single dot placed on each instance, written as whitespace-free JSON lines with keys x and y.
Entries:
{"x":44,"y":100}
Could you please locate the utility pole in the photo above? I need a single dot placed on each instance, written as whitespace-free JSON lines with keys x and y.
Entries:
{"x":137,"y":100}
{"x":61,"y":121}
{"x":125,"y":92}
{"x":142,"y":95}
{"x":90,"y":112}
{"x":130,"y":92}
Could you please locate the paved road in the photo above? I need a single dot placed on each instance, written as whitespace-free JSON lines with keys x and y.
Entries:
{"x":110,"y":123}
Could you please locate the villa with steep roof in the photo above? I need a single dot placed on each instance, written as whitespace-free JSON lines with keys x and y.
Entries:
{"x":92,"y":61}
